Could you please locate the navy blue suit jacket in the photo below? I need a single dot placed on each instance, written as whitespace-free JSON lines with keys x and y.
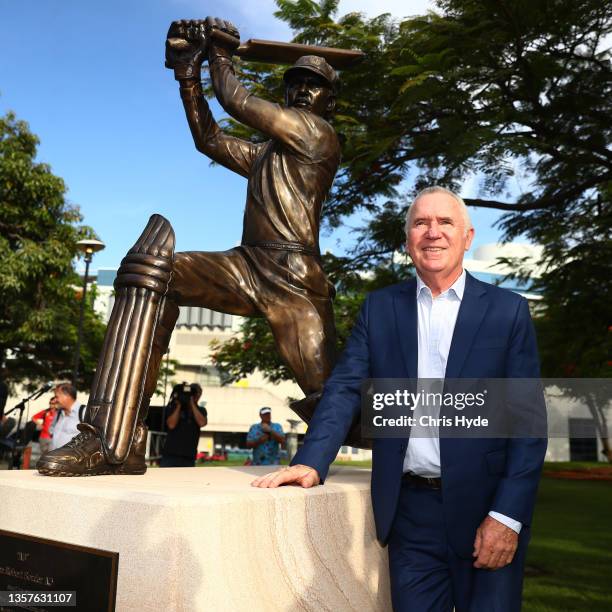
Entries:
{"x":493,"y":338}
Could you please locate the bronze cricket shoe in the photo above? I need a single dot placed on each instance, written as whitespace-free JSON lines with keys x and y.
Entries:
{"x":84,"y":456}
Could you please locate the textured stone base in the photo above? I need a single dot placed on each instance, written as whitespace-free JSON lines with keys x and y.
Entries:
{"x":203,"y":539}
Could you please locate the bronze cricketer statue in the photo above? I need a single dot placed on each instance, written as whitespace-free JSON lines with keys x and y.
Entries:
{"x":276,"y":271}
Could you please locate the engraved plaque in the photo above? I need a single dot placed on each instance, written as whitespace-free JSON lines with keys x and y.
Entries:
{"x":28,"y":563}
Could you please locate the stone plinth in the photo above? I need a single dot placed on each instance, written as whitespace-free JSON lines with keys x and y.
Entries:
{"x":203,"y":539}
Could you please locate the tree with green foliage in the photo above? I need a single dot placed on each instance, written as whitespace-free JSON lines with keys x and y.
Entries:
{"x":39,"y":288}
{"x":512,"y":95}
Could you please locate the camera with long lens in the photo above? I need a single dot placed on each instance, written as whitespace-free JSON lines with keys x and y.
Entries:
{"x":183,"y":394}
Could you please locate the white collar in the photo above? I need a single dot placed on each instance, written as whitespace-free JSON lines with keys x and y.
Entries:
{"x":458,"y":287}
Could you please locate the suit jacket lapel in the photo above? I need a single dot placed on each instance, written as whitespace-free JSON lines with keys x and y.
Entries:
{"x":471,"y":313}
{"x":404,"y":303}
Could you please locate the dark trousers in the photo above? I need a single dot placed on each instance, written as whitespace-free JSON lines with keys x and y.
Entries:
{"x":175,"y":461}
{"x":427,"y":575}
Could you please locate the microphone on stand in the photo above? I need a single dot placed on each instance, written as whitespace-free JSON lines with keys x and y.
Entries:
{"x":46,"y":387}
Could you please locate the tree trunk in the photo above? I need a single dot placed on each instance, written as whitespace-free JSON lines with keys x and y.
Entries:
{"x":601,"y":424}
{"x":607,"y":449}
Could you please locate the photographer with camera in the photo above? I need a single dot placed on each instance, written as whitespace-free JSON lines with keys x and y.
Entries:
{"x":184,"y":418}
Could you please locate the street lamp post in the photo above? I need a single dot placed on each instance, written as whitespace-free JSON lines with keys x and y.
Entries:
{"x":292,"y":438}
{"x":88,"y":247}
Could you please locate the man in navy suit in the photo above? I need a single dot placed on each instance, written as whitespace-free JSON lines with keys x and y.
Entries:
{"x":455,"y":512}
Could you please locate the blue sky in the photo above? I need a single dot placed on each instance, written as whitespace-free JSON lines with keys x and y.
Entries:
{"x":89,"y":78}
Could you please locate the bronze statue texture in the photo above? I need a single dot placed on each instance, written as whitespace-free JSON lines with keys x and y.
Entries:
{"x":276,"y":271}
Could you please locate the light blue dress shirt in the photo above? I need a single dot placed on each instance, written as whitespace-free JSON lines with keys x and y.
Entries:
{"x":64,"y":426}
{"x":436,"y":324}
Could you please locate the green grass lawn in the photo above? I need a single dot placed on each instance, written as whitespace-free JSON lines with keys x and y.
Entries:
{"x":569,"y":563}
{"x":357,"y":464}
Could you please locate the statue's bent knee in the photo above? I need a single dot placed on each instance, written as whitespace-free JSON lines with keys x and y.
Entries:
{"x":120,"y":390}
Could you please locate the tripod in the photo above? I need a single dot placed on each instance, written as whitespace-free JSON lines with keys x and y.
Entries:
{"x":17,"y":445}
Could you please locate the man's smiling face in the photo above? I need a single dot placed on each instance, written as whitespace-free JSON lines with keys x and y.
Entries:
{"x":437,"y":236}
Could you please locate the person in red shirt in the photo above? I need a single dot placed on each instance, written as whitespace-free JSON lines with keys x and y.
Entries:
{"x":43,"y":420}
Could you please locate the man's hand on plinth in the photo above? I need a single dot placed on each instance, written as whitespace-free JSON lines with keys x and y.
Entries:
{"x":186,"y":48}
{"x":302,"y":475}
{"x":495,"y":544}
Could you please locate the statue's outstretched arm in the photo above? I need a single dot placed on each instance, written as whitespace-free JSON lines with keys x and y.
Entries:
{"x":186,"y":47}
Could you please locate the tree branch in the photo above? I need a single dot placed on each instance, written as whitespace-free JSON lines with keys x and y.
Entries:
{"x":478,"y":203}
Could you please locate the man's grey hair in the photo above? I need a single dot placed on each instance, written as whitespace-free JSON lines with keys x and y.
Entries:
{"x":67,"y":388}
{"x":439,"y":189}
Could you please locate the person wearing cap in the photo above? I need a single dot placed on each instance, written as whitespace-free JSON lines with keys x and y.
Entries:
{"x":275,"y":272}
{"x":266,"y":439}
